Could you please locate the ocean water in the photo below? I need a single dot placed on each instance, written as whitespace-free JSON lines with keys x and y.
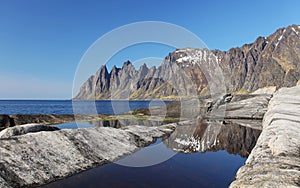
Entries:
{"x":78,"y":107}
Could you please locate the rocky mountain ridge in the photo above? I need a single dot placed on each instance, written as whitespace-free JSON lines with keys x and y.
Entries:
{"x":268,"y":61}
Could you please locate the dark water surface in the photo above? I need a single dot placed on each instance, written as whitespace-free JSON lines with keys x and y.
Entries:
{"x":65,"y":106}
{"x":206,"y":154}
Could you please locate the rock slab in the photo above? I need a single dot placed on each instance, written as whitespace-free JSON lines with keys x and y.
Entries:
{"x":275,"y":160}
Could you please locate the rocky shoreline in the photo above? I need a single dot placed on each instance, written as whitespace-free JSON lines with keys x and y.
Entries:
{"x":50,"y":154}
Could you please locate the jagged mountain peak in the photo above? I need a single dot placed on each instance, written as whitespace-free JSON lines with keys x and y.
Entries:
{"x":143,"y":67}
{"x":103,"y":67}
{"x":114,"y":67}
{"x":127,"y":63}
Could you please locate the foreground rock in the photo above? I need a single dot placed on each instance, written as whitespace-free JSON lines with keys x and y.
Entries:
{"x":38,"y":158}
{"x":275,"y":160}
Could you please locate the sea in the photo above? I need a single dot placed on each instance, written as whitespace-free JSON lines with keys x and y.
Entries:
{"x":110,"y":107}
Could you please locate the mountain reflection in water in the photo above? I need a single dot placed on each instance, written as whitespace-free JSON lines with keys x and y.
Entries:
{"x":203,"y":136}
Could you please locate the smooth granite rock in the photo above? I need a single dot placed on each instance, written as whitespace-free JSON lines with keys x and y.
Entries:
{"x":275,"y":160}
{"x":34,"y":159}
{"x":252,"y":108}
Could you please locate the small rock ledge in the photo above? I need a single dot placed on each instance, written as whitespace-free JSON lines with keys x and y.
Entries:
{"x":275,"y":160}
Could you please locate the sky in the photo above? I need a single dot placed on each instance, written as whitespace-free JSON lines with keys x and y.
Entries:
{"x":43,"y":41}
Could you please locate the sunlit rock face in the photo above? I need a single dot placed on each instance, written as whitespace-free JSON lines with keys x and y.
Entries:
{"x":203,"y":136}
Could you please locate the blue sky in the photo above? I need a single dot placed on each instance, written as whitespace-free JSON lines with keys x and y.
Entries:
{"x":42,"y":41}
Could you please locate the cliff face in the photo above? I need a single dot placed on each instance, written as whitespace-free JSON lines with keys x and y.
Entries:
{"x":269,"y":61}
{"x":274,"y":60}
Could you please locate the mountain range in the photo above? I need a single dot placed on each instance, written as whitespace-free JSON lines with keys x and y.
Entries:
{"x":268,"y":61}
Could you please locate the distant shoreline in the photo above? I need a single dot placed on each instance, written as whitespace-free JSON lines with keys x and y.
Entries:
{"x":88,"y":100}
